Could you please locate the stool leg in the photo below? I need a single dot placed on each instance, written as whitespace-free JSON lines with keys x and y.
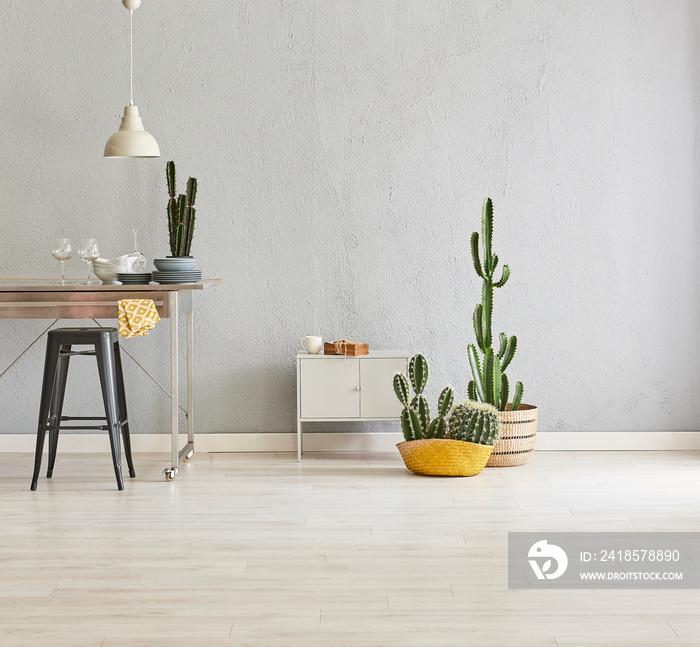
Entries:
{"x":47,"y":387}
{"x":123,"y":416}
{"x":56,"y":408}
{"x":105,"y":364}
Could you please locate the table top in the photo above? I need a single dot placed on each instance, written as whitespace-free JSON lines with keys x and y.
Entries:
{"x":52,"y":285}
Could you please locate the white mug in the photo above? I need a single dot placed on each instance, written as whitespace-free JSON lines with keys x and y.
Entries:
{"x":312,"y":345}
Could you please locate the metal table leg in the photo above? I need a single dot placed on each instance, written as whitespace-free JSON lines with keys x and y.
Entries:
{"x":28,"y":347}
{"x":171,"y":472}
{"x":188,"y":450}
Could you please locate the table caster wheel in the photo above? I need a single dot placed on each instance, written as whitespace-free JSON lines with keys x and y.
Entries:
{"x":188,"y":455}
{"x":170,"y":474}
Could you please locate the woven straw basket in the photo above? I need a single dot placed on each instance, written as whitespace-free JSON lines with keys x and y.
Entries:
{"x":439,"y":457}
{"x":518,"y":429}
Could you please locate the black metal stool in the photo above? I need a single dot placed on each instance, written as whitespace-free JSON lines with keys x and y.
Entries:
{"x":105,"y":342}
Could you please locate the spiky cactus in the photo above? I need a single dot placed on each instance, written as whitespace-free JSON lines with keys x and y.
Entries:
{"x":475,"y":422}
{"x":490,"y":383}
{"x":181,"y":213}
{"x":438,"y":426}
{"x":415,"y":417}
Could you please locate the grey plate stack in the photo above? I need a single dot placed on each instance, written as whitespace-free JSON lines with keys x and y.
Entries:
{"x":142,"y":278}
{"x":177,"y":277}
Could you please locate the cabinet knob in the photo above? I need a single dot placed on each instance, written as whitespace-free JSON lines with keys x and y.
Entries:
{"x":358,"y":387}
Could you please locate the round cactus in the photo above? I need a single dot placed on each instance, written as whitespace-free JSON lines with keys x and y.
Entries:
{"x":475,"y":422}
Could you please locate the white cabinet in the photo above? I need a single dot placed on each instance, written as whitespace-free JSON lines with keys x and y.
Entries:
{"x":329,"y":388}
{"x":377,"y":397}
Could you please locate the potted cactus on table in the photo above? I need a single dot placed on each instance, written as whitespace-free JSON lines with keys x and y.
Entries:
{"x":436,"y":447}
{"x":490,"y":382}
{"x":181,"y":214}
{"x":181,"y":221}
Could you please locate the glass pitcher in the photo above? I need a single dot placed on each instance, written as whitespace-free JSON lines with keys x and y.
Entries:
{"x":135,"y":262}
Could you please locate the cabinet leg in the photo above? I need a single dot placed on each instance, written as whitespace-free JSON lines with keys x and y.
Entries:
{"x":299,"y":441}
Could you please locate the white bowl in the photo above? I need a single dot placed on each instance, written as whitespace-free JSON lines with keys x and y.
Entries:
{"x":109,"y":263}
{"x":109,"y":268}
{"x":107,"y":276}
{"x":119,"y":260}
{"x":176,"y":263}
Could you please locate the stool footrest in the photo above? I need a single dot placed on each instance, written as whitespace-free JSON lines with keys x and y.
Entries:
{"x":60,"y":427}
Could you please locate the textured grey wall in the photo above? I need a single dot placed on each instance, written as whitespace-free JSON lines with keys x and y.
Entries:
{"x":343,"y":151}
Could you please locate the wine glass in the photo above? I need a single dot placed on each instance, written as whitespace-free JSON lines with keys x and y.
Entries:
{"x":62,"y":250}
{"x":89,"y":250}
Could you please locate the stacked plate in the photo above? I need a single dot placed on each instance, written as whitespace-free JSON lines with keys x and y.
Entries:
{"x":140,"y":278}
{"x":177,"y":277}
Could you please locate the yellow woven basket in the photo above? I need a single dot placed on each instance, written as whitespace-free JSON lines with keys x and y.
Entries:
{"x":440,"y":457}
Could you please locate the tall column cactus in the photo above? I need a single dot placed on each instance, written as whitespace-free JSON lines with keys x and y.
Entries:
{"x":490,"y":383}
{"x":181,"y":213}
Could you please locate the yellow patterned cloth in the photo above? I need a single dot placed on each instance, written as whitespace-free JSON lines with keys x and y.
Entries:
{"x":137,"y":317}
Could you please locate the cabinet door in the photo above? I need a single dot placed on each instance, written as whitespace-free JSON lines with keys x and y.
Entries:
{"x":377,"y":397}
{"x":329,"y":388}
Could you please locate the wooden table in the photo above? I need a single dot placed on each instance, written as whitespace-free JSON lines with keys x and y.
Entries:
{"x":44,"y":299}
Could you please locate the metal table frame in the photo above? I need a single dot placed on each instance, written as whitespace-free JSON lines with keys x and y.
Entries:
{"x":43,"y":299}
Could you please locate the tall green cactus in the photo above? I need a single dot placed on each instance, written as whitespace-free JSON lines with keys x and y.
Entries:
{"x":475,"y":422}
{"x":170,"y":175}
{"x":490,"y":383}
{"x":181,"y":213}
{"x":415,"y":417}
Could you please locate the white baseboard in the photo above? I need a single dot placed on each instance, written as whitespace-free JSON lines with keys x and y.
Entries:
{"x":618,"y":440}
{"x":354,"y":442}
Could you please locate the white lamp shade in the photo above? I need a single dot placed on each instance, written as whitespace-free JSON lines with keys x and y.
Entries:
{"x":131,"y":140}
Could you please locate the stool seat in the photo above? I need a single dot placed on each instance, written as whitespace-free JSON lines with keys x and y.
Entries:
{"x":59,"y":350}
{"x":84,"y":335}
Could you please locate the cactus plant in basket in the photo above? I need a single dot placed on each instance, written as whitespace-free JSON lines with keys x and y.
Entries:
{"x":430,"y":447}
{"x":488,"y":367}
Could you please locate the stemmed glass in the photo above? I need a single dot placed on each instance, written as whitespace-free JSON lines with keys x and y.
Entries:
{"x":89,"y":250}
{"x":62,"y":250}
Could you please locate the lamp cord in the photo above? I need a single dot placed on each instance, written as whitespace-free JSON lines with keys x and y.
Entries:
{"x":131,"y":59}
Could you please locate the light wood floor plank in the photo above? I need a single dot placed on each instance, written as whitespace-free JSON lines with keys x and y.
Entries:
{"x":342,"y":549}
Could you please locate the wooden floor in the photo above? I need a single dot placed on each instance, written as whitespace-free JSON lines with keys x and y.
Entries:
{"x":352,"y":549}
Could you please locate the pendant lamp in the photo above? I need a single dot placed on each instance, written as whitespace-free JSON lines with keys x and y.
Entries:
{"x":131,"y":140}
